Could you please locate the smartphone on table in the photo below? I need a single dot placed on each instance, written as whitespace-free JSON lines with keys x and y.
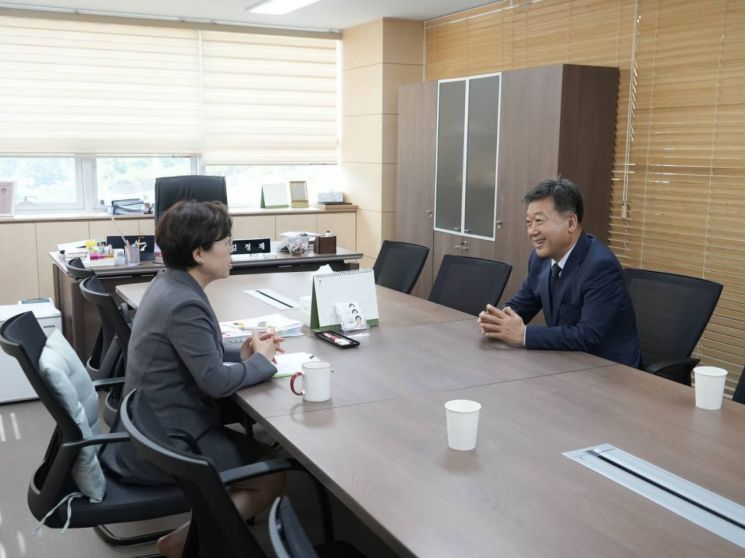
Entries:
{"x":337,"y":339}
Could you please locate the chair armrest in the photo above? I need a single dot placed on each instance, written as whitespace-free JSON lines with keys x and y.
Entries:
{"x":237,"y":474}
{"x":110,"y":438}
{"x":105,"y":383}
{"x":676,"y":370}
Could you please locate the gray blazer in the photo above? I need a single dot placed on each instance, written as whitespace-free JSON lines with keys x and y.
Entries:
{"x":177,"y":358}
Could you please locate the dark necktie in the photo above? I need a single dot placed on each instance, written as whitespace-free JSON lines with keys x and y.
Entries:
{"x":553,"y":282}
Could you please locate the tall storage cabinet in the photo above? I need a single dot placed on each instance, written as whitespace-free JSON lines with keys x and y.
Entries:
{"x":552,"y":120}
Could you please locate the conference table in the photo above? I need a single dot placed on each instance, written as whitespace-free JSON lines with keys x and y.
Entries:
{"x":379,"y":444}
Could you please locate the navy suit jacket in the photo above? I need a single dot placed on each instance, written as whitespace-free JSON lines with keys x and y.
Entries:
{"x":592,"y":311}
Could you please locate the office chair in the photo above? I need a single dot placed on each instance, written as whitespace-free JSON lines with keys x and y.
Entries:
{"x":216,"y":530}
{"x":289,"y":539}
{"x":170,"y":189}
{"x":739,"y":394}
{"x":117,"y":328}
{"x":22,"y":337}
{"x":469,"y":284}
{"x":77,"y":271}
{"x":671,"y":314}
{"x":399,"y":265}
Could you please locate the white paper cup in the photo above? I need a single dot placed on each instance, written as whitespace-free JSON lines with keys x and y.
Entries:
{"x":316,"y":380}
{"x":463,"y":423}
{"x":709,"y":387}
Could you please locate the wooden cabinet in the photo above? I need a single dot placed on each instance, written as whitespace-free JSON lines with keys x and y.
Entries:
{"x":25,"y":246}
{"x":553,"y":120}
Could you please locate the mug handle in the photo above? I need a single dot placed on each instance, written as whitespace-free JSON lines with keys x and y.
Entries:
{"x":292,"y":383}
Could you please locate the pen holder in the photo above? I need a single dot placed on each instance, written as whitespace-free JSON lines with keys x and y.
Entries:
{"x":132,"y":254}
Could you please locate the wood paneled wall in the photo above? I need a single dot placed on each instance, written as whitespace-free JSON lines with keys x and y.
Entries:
{"x":678,"y":201}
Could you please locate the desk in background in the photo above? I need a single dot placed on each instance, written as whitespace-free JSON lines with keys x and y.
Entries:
{"x":380,"y":443}
{"x":80,"y":320}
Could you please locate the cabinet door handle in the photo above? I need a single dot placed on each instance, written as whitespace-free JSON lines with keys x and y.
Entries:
{"x":499,"y":223}
{"x":458,"y":247}
{"x":430,"y":213}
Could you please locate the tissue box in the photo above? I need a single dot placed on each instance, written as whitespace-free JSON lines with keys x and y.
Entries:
{"x":326,"y":244}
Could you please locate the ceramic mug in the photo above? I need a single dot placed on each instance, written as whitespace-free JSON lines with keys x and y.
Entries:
{"x":316,"y":381}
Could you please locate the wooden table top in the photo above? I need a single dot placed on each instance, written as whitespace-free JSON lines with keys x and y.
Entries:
{"x":516,"y":494}
{"x":380,"y":442}
{"x":231,"y":303}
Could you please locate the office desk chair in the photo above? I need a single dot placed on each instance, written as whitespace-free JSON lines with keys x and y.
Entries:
{"x":289,"y":539}
{"x":116,"y":326}
{"x":399,"y":265}
{"x":60,"y":473}
{"x":170,"y":189}
{"x":77,"y":271}
{"x":216,"y":530}
{"x":671,"y":314}
{"x":739,"y":394}
{"x":469,"y":284}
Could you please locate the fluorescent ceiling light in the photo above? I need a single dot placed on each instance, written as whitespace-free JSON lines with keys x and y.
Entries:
{"x":280,"y":7}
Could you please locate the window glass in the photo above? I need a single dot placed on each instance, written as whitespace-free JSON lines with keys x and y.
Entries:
{"x":134,"y":177}
{"x":42,"y":181}
{"x":244,"y":181}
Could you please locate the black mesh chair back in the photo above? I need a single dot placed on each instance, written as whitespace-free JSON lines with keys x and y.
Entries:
{"x":217,"y":529}
{"x":469,"y":284}
{"x":399,"y":265}
{"x":739,"y":394}
{"x":115,"y":327}
{"x":671,"y":314}
{"x":170,"y":189}
{"x":113,"y":319}
{"x":22,"y":337}
{"x":78,"y":271}
{"x":289,"y":539}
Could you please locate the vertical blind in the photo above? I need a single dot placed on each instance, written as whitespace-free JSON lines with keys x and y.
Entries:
{"x":680,"y":133}
{"x":89,"y":87}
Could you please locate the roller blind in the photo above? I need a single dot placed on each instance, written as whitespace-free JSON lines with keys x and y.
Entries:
{"x":88,"y":87}
{"x":680,"y":130}
{"x":268,"y":98}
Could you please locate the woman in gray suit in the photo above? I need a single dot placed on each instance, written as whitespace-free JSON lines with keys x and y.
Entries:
{"x":177,"y":358}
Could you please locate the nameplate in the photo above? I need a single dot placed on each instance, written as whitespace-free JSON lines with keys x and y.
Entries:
{"x":252,"y":246}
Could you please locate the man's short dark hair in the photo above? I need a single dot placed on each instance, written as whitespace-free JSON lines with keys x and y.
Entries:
{"x":565,"y":193}
{"x":188,"y":225}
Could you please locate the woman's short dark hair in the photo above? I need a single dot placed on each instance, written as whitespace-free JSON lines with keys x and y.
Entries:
{"x":565,"y":193}
{"x":188,"y":225}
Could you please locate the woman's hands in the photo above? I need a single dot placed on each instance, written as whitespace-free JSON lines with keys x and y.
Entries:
{"x":265,"y":343}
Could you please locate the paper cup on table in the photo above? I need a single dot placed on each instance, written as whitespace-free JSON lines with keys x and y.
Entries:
{"x":463,"y":423}
{"x":709,"y":387}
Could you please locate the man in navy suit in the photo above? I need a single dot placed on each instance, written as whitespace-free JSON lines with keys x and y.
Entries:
{"x":574,"y":278}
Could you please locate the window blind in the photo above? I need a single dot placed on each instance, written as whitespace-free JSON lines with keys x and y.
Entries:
{"x":80,"y":87}
{"x":680,"y":131}
{"x":71,"y":86}
{"x":268,"y":99}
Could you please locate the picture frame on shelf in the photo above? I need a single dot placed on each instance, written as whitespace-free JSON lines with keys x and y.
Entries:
{"x":298,"y":193}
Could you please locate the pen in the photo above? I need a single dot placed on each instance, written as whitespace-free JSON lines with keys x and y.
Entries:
{"x":116,"y":226}
{"x":274,"y":299}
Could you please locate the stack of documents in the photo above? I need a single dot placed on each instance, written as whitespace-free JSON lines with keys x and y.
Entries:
{"x":74,"y":249}
{"x":240,"y":329}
